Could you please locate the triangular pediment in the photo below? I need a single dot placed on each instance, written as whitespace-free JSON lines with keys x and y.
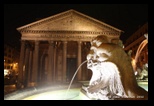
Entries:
{"x":70,"y":20}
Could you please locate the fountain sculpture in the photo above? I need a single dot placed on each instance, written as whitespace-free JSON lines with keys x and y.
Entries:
{"x":112,"y":72}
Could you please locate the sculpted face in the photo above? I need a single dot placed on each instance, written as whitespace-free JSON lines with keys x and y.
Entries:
{"x":112,"y":73}
{"x":97,"y":54}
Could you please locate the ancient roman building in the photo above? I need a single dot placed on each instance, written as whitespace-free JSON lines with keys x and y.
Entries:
{"x":52,"y":48}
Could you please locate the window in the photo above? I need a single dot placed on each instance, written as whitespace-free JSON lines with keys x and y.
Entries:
{"x":9,"y":61}
{"x":9,"y":50}
{"x":8,"y":67}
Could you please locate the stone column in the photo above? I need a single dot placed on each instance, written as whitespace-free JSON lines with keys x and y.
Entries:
{"x":54,"y":64}
{"x":79,"y":75}
{"x":41,"y":66}
{"x":21,"y":62}
{"x":50,"y":61}
{"x":30,"y":65}
{"x":26,"y":69}
{"x":35,"y":63}
{"x":64,"y":60}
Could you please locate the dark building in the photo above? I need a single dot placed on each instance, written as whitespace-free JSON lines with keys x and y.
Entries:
{"x":136,"y":42}
{"x":11,"y":58}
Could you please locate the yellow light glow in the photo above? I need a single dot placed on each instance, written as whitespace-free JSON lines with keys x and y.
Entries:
{"x":133,"y":63}
{"x":6,"y":72}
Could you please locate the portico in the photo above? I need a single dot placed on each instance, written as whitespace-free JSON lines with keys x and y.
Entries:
{"x":52,"y":48}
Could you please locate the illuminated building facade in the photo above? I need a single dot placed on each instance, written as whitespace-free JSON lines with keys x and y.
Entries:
{"x":54,"y":47}
{"x":11,"y":58}
{"x":133,"y":42}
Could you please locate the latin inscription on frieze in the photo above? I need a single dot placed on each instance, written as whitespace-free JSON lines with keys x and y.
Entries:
{"x":66,"y":36}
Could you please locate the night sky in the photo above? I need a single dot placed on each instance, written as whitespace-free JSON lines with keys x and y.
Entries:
{"x":126,"y":17}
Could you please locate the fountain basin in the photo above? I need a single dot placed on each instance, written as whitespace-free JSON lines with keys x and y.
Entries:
{"x":56,"y":92}
{"x":45,"y":92}
{"x":143,"y":84}
{"x":73,"y":94}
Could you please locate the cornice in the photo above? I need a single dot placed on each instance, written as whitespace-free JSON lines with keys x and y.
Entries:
{"x":69,"y":32}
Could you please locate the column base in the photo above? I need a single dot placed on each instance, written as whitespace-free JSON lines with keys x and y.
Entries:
{"x":31,"y":84}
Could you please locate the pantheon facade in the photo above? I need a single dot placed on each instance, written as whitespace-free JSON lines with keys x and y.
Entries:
{"x":53,"y":48}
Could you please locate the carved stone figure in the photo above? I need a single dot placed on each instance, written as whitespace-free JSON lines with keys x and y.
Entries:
{"x":112,"y":72}
{"x":142,"y":75}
